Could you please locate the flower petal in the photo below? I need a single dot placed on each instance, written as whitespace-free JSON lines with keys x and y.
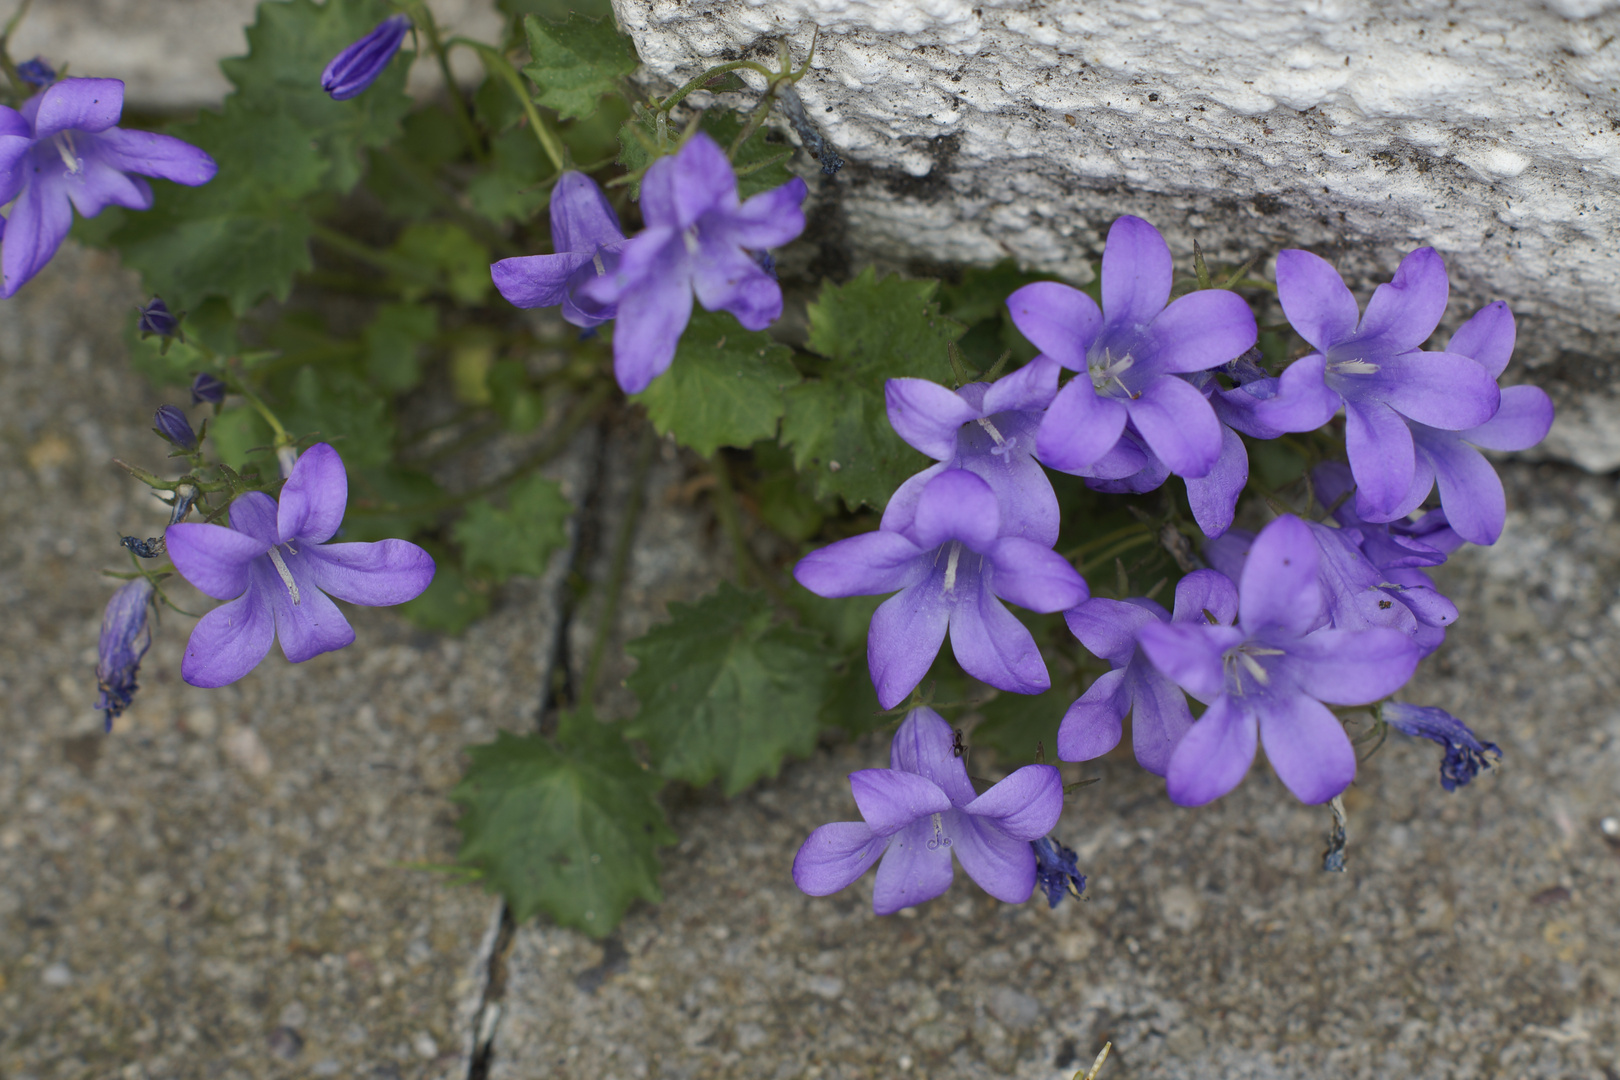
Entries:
{"x":79,"y":105}
{"x":957,"y":505}
{"x":994,"y":647}
{"x":1470,"y":490}
{"x":1522,"y":420}
{"x":651,"y":318}
{"x":678,"y":190}
{"x":1108,"y":627}
{"x":767,"y":220}
{"x":906,"y":633}
{"x":926,"y":745}
{"x":927,"y":415}
{"x":1190,"y":654}
{"x":310,"y":627}
{"x":1026,"y":805}
{"x":911,"y":870}
{"x":213,"y":558}
{"x":98,"y":185}
{"x":1304,"y":401}
{"x":1307,"y":746}
{"x":1206,"y":591}
{"x":867,"y":565}
{"x":378,"y":574}
{"x":1159,"y":718}
{"x":1279,"y":585}
{"x":1092,"y":726}
{"x":39,"y":222}
{"x":901,"y":509}
{"x":314,"y":497}
{"x":582,"y":219}
{"x":151,"y":154}
{"x":1201,"y":330}
{"x":1029,"y":506}
{"x":1318,"y":304}
{"x":1382,"y":458}
{"x":1213,"y":755}
{"x":1487,"y":337}
{"x":834,"y":856}
{"x":229,"y":641}
{"x":1058,"y":319}
{"x":1079,"y":427}
{"x":1002,"y":865}
{"x":1442,"y":390}
{"x":1176,"y":421}
{"x":255,"y":514}
{"x":1028,"y":389}
{"x":1034,"y":577}
{"x":531,"y":281}
{"x":1136,"y":272}
{"x":1213,"y":497}
{"x":1352,"y":667}
{"x":891,"y":799}
{"x":1404,"y":312}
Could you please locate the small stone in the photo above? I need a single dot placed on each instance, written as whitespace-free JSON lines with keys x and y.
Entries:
{"x":749,"y":1036}
{"x":294,"y":1015}
{"x":326,"y":1067}
{"x":825,"y":986}
{"x":425,"y":1045}
{"x":56,"y":975}
{"x":246,"y":750}
{"x":386,"y":1071}
{"x":285,"y":1043}
{"x":1014,"y":1009}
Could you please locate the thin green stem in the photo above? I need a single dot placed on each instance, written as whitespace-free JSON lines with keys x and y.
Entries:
{"x":423,"y":17}
{"x":382,"y":260}
{"x":430,"y":186}
{"x":622,"y":544}
{"x":21,"y":88}
{"x":697,"y":83}
{"x":501,"y":66}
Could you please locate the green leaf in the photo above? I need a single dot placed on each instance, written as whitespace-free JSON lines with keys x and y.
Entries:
{"x":869,"y":331}
{"x":452,"y":253}
{"x":724,"y":387}
{"x":289,"y":46}
{"x":390,"y":501}
{"x":394,"y":343}
{"x":851,"y":702}
{"x":337,"y":406}
{"x":576,"y":62}
{"x":520,"y":539}
{"x":569,"y":828}
{"x":518,"y":406}
{"x":514,"y":188}
{"x":452,"y":601}
{"x":1015,"y":725}
{"x":238,"y":431}
{"x":766,"y":144}
{"x":171,"y":364}
{"x":724,"y":692}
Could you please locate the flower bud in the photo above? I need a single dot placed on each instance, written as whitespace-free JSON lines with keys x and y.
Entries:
{"x":206,"y":387}
{"x":172,"y":424}
{"x":156,"y":318}
{"x":36,"y":72}
{"x":125,"y":638}
{"x":358,"y":66}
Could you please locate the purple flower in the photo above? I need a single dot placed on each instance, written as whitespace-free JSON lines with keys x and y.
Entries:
{"x":1269,"y":674}
{"x":1057,"y":871}
{"x":274,"y":566}
{"x":1159,"y":713}
{"x":586,"y":235}
{"x":1129,"y":353}
{"x":61,"y":152}
{"x":922,"y":808}
{"x":1465,"y":754}
{"x":358,"y":66}
{"x":156,"y":318}
{"x":1470,"y":490}
{"x":206,"y":387}
{"x":125,"y":637}
{"x":1386,"y":544}
{"x":989,"y":430}
{"x":951,"y":561}
{"x":171,"y":424}
{"x":36,"y":72}
{"x":698,"y":238}
{"x":1371,"y":365}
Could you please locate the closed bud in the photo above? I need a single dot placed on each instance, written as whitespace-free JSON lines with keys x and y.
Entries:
{"x":206,"y":387}
{"x":125,"y":638}
{"x":172,"y":424}
{"x":156,"y":318}
{"x":358,"y":66}
{"x":37,"y":72}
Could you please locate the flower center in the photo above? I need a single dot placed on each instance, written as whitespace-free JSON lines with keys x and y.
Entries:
{"x":596,"y":261}
{"x":1108,"y":368}
{"x":1243,"y":659}
{"x":70,"y":158}
{"x":286,"y":574}
{"x":939,"y":839}
{"x":951,"y":560}
{"x":1353,"y":367}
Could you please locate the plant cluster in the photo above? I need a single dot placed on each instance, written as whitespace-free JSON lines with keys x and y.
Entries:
{"x":339,"y":274}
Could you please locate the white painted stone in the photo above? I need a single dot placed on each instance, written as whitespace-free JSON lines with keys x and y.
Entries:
{"x":978,"y":131}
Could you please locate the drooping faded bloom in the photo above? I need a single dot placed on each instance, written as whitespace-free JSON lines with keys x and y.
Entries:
{"x":1465,"y":753}
{"x":1372,"y":365}
{"x":1269,"y":674}
{"x":171,"y":424}
{"x":586,"y":235}
{"x":274,"y":566}
{"x":953,"y":564}
{"x":61,"y":152}
{"x":921,"y":809}
{"x":1159,"y":713}
{"x":1470,"y":490}
{"x":699,"y":239}
{"x":1128,"y":354}
{"x":358,"y":66}
{"x":1057,"y":871}
{"x":989,"y":430}
{"x":125,"y":637}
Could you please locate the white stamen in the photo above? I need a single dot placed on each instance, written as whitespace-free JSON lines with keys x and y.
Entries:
{"x":286,"y":574}
{"x":690,"y":236}
{"x":596,"y":261}
{"x":64,"y":146}
{"x":991,"y":428}
{"x":950,"y":566}
{"x":1355,"y":367}
{"x":939,"y":839}
{"x":1254,"y":668}
{"x":1109,"y":369}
